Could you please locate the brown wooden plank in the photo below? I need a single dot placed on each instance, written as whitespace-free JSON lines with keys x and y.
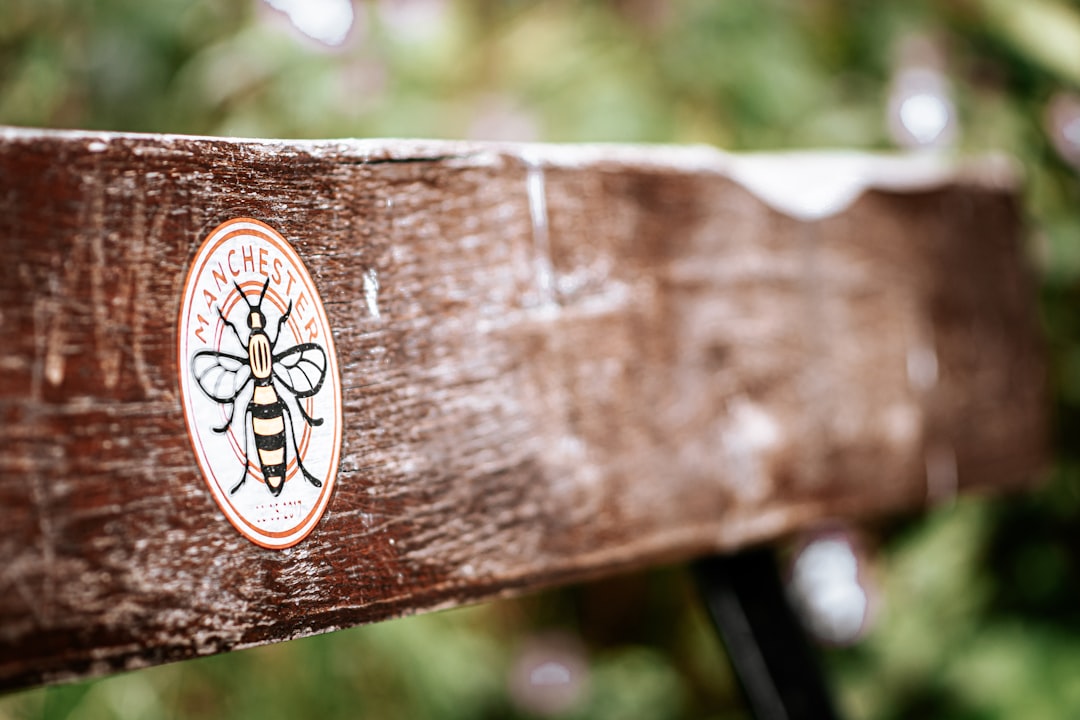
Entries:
{"x":563,"y":362}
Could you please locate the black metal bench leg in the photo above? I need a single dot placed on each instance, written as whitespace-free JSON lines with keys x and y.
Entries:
{"x":776,"y":666}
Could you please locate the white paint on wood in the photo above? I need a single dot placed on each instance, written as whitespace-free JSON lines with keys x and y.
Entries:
{"x":538,"y":213}
{"x":371,"y":291}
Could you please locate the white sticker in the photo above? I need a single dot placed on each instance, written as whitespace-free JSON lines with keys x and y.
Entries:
{"x":260,"y":384}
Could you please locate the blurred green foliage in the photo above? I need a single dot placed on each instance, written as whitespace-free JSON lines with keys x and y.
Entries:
{"x":981,"y":601}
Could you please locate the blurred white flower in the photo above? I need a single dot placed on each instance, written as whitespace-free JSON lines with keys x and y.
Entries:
{"x":828,"y":586}
{"x":921,"y":113}
{"x":327,"y":21}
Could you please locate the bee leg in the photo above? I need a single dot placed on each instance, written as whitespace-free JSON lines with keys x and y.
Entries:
{"x":281,"y":321}
{"x":240,"y":484}
{"x":225,"y":426}
{"x":231,"y":327}
{"x":314,"y":422}
{"x":310,"y":478}
{"x":243,"y":477}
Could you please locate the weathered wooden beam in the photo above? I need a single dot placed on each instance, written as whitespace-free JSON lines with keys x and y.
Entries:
{"x":555,"y":363}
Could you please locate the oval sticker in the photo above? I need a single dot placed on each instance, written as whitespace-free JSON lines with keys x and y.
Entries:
{"x":259,"y":382}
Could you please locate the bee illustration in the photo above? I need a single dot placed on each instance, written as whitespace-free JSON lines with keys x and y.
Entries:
{"x":299,"y":370}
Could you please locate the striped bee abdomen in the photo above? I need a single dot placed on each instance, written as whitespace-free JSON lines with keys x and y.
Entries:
{"x":268,"y":427}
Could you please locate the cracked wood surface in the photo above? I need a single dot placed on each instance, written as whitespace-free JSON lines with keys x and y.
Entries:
{"x":557,"y":363}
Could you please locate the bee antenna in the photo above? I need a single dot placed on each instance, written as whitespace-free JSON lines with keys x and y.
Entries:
{"x":263,"y":293}
{"x":243,"y":294}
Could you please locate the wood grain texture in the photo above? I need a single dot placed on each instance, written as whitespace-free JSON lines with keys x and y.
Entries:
{"x":568,"y":362}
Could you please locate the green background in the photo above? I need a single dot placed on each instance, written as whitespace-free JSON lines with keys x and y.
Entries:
{"x":979,"y":601}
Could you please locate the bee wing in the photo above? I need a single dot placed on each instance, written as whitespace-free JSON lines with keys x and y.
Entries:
{"x":301,"y":369}
{"x":220,"y":376}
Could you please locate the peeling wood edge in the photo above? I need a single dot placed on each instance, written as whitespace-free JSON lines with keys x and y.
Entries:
{"x":758,"y":172}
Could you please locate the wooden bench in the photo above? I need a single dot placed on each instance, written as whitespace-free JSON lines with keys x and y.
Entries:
{"x":556,"y":363}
